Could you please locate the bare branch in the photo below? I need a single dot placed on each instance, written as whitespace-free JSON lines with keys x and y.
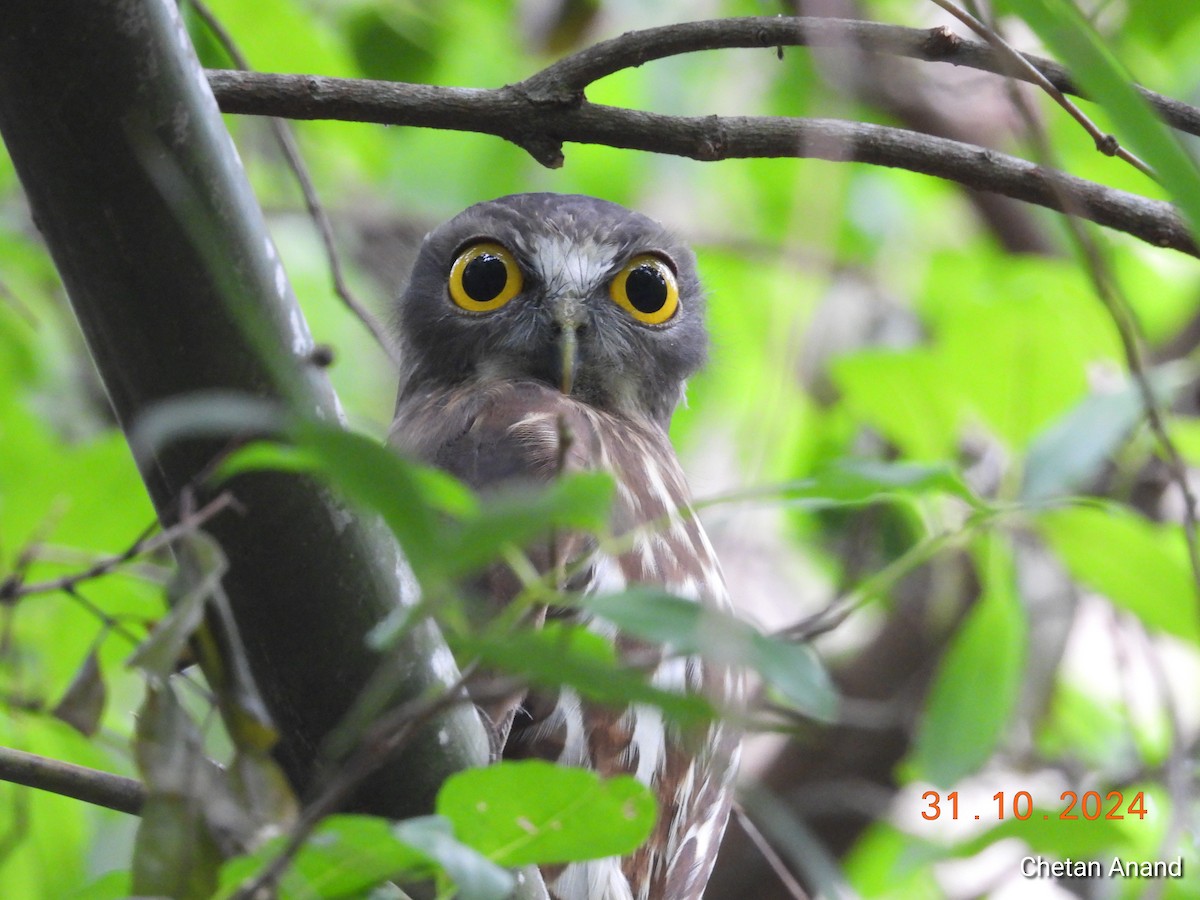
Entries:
{"x":1109,"y":292}
{"x":565,"y":80}
{"x":541,"y":130}
{"x":89,"y":785}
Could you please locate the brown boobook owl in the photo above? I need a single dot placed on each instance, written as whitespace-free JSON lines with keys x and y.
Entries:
{"x":540,"y":332}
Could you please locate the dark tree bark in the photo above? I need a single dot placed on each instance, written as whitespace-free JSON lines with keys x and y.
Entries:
{"x":140,"y":195}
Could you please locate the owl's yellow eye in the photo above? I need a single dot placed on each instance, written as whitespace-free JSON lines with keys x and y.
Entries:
{"x":646,"y":289}
{"x":484,"y":277}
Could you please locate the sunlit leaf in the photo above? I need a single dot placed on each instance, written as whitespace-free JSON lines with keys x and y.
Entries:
{"x":1095,"y":731}
{"x":909,"y":397}
{"x":1043,"y":327}
{"x":113,"y":885}
{"x":518,"y":813}
{"x":1138,"y":565}
{"x":892,"y":864}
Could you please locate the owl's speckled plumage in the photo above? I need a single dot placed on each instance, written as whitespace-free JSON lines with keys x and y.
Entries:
{"x":482,"y":396}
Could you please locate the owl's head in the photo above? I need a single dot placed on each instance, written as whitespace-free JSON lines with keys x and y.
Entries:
{"x":579,"y":293}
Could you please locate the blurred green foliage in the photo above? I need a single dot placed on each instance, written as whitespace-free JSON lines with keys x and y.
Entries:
{"x":855,"y":313}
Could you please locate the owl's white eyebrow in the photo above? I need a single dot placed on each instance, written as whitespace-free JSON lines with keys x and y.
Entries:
{"x":560,"y":260}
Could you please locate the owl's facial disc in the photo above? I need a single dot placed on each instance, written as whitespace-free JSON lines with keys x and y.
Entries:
{"x":577,"y":293}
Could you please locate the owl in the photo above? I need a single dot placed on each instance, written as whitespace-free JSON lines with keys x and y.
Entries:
{"x":542,"y":333}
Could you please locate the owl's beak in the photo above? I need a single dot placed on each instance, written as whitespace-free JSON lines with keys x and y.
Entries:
{"x":568,"y":344}
{"x":568,"y":312}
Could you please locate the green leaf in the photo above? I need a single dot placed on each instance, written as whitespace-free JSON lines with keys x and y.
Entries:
{"x":563,"y":654}
{"x":1064,"y":30}
{"x":858,"y":482}
{"x":203,"y":414}
{"x":82,"y":706}
{"x":862,"y":481}
{"x":113,"y":885}
{"x":262,"y":790}
{"x":475,"y":876}
{"x":686,"y":627}
{"x":887,"y":863}
{"x":175,"y":855}
{"x":907,"y":396}
{"x":519,"y":813}
{"x":978,"y":681}
{"x":1138,"y":565}
{"x":199,"y":799}
{"x":408,"y":496}
{"x":346,"y":856}
{"x":1072,"y":449}
{"x":1054,"y":838}
{"x":1096,"y":732}
{"x":168,"y":745}
{"x":190,"y":591}
{"x":1069,"y":452}
{"x":444,"y":529}
{"x":576,"y":500}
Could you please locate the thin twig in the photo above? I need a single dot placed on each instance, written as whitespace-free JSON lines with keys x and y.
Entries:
{"x":1105,"y":143}
{"x":1179,"y":764}
{"x":386,"y":738}
{"x":105,"y":789}
{"x":13,"y":588}
{"x":844,"y":605}
{"x":1129,"y":333}
{"x":767,"y":852}
{"x":286,"y":139}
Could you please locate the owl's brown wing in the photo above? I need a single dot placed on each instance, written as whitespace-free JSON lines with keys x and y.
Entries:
{"x":501,"y":433}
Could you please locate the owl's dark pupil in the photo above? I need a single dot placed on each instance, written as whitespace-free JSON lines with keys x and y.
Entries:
{"x":484,"y":277}
{"x":646,"y":289}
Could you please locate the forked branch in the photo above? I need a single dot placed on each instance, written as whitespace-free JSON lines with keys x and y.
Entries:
{"x":549,"y":109}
